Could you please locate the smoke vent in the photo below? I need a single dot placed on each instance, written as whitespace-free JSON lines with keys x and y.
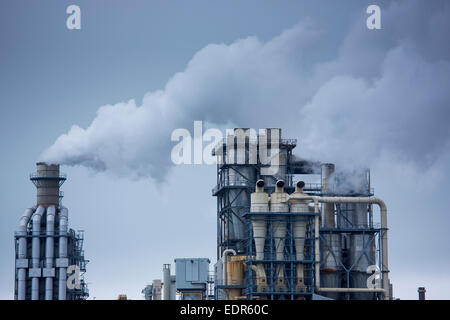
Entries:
{"x":47,"y":180}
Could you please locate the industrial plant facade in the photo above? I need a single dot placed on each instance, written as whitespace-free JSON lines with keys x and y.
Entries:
{"x":281,"y":238}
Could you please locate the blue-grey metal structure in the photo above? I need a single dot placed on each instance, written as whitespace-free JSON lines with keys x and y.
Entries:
{"x":192,"y":277}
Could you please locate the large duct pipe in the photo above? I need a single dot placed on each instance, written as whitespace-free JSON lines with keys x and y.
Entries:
{"x":22,"y":254}
{"x":63,"y":221}
{"x":49,"y":252}
{"x":279,"y":203}
{"x":299,"y":230}
{"x":259,"y":202}
{"x":166,"y":282}
{"x":384,"y":243}
{"x":35,"y":252}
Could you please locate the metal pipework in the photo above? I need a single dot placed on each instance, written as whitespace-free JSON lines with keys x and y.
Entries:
{"x":384,"y":242}
{"x":63,"y":221}
{"x":299,"y":229}
{"x":36,"y":250}
{"x":22,"y":254}
{"x":49,"y":251}
{"x":259,"y":202}
{"x":327,"y":170}
{"x":279,"y":203}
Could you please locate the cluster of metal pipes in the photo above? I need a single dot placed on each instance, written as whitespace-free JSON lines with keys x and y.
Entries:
{"x":36,"y":217}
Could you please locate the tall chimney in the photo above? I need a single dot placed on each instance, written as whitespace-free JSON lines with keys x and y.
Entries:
{"x":47,"y":180}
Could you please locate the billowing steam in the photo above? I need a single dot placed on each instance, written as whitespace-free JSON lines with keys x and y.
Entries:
{"x":385,"y":92}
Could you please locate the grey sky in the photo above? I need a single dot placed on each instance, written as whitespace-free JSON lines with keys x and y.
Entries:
{"x":330,"y":65}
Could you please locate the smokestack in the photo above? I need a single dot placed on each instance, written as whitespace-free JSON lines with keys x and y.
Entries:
{"x":421,"y":291}
{"x":47,"y":180}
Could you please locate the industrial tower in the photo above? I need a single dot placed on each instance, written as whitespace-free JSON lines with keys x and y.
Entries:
{"x":47,"y":251}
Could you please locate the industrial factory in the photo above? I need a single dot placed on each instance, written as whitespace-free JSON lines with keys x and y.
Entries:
{"x":49,"y":262}
{"x":278,"y":237}
{"x":281,"y":238}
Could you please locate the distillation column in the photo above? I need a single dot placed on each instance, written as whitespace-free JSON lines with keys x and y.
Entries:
{"x":279,"y":203}
{"x":259,"y":202}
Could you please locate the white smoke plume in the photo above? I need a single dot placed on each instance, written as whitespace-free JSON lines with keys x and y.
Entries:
{"x":384,"y":92}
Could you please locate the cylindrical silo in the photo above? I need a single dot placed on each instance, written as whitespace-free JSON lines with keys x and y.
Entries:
{"x":299,"y":229}
{"x":259,"y":202}
{"x":279,"y":203}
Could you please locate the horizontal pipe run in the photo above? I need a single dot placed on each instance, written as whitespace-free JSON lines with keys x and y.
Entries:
{"x":352,"y":290}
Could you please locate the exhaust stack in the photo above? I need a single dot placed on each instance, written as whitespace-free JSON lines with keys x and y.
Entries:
{"x":299,"y":205}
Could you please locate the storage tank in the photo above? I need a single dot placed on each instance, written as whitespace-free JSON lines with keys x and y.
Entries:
{"x":259,"y":202}
{"x":361,"y":245}
{"x":279,"y":204}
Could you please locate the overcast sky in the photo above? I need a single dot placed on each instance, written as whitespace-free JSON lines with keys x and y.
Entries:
{"x":104,"y":100}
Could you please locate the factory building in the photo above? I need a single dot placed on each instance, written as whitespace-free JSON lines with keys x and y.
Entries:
{"x":281,"y":238}
{"x":49,"y":256}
